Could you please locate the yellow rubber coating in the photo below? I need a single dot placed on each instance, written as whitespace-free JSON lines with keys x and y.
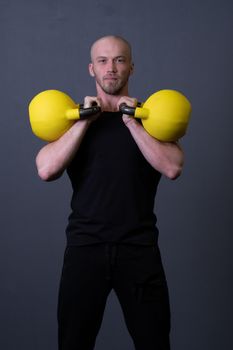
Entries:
{"x":51,"y":114}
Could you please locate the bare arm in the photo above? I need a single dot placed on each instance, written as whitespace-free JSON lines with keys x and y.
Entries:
{"x":165,"y":157}
{"x":53,"y":158}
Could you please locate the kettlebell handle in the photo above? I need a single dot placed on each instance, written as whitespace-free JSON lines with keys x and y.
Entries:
{"x":82,"y":113}
{"x":87,"y":112}
{"x":127,"y":109}
{"x":137,"y":112}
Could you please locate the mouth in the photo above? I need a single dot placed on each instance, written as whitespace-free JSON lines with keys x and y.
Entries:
{"x":110,"y":77}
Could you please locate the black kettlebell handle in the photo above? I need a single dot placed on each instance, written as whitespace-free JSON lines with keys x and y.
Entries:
{"x":94,"y":109}
{"x":127,"y":109}
{"x":88,"y":112}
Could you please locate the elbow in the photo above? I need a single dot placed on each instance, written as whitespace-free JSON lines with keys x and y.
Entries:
{"x":174,"y":172}
{"x":47,"y":177}
{"x":47,"y":174}
{"x":47,"y":169}
{"x":175,"y":166}
{"x":44,"y":175}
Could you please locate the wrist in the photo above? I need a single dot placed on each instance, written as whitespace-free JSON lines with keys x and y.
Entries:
{"x":80,"y":126}
{"x":130,"y":122}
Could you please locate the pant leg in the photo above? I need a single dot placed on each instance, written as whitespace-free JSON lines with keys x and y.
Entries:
{"x":82,"y":297}
{"x":140,"y":285}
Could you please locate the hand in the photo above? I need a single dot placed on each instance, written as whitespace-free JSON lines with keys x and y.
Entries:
{"x":88,"y":102}
{"x":131,"y":102}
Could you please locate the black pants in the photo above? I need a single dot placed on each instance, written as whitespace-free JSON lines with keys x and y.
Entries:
{"x":137,"y":277}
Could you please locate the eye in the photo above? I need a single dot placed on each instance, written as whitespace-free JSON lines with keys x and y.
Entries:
{"x":102,"y":60}
{"x":120,"y":60}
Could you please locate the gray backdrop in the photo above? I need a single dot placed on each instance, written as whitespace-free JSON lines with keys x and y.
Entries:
{"x":179,"y":44}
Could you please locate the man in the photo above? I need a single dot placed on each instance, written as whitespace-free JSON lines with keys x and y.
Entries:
{"x":114,"y":166}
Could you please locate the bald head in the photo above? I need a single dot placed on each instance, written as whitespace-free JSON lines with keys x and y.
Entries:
{"x":110,"y":40}
{"x":111,"y":65}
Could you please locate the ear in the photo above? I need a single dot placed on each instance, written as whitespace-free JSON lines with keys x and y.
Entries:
{"x":91,"y":70}
{"x":132,"y":68}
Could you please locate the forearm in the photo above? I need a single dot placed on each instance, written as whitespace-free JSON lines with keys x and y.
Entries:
{"x":54,"y":157}
{"x":165,"y":157}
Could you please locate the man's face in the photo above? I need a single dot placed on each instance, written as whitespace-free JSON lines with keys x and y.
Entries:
{"x":111,"y":65}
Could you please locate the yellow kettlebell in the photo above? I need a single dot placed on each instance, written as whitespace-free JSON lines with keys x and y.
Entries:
{"x":165,"y":114}
{"x":52,"y":113}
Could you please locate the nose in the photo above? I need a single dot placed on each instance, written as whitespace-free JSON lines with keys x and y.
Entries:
{"x":111,"y":66}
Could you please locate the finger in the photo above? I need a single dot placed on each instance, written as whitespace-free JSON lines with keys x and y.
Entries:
{"x":90,"y":100}
{"x":129,"y":101}
{"x":127,"y":119}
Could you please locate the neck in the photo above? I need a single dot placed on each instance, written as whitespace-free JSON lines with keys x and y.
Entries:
{"x":109,"y":102}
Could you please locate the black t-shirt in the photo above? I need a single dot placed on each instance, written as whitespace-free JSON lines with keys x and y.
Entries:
{"x":113,"y":187}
